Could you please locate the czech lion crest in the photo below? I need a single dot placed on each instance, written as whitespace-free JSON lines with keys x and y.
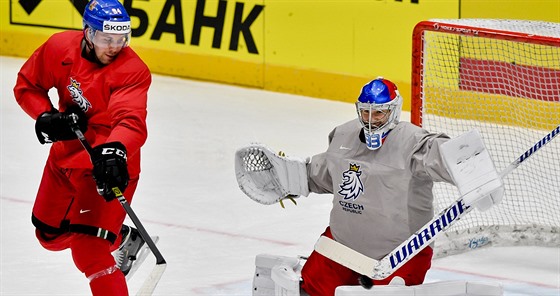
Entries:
{"x":351,"y":186}
{"x":77,"y":95}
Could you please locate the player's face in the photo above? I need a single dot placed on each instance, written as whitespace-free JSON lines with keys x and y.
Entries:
{"x":107,"y":46}
{"x":376,"y":118}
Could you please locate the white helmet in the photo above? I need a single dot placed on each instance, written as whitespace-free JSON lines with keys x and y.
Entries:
{"x":379,"y":110}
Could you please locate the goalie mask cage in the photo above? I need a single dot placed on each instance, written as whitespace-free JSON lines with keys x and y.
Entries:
{"x":501,"y":77}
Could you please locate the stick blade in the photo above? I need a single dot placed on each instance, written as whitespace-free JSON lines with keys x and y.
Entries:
{"x":151,"y":282}
{"x":140,"y":257}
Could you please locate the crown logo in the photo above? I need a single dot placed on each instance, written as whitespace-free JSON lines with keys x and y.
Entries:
{"x":354,"y":167}
{"x":74,"y":83}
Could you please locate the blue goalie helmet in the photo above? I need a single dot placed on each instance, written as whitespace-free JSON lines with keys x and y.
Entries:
{"x":107,"y":16}
{"x":379,"y":110}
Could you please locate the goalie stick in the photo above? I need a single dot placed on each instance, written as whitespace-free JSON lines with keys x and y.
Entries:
{"x":381,"y":269}
{"x":151,"y":282}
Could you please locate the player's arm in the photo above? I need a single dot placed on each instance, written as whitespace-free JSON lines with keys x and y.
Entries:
{"x":33,"y":83}
{"x":426,"y":157}
{"x":319,"y":177}
{"x":31,"y":92}
{"x":128,"y":109}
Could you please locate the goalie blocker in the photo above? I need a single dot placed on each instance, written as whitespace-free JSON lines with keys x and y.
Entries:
{"x":472,"y":169}
{"x":268,"y":177}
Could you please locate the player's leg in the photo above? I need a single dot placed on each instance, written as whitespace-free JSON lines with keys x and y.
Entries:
{"x":52,"y":205}
{"x":130,"y":249}
{"x":92,"y":214}
{"x":55,"y":209}
{"x":96,"y":224}
{"x":92,"y":256}
{"x":321,"y":275}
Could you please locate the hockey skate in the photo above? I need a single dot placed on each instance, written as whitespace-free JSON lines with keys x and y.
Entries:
{"x":132,"y":251}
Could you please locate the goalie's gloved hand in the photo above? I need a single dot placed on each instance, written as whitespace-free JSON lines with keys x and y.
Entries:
{"x":55,"y":126}
{"x":110,"y":170}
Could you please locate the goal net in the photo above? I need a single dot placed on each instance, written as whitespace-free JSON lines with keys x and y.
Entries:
{"x":501,"y":77}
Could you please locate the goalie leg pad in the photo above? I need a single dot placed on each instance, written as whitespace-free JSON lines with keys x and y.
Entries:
{"x":277,"y":275}
{"x":448,"y":288}
{"x":473,"y":171}
{"x":286,"y":280}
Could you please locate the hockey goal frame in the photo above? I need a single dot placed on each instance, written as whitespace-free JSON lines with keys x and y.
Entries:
{"x":434,"y":26}
{"x":458,"y":241}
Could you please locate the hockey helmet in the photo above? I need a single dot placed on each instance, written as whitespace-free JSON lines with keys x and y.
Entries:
{"x":379,"y":109}
{"x":107,"y":16}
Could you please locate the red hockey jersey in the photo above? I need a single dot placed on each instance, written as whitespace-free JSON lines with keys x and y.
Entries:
{"x":114,"y":97}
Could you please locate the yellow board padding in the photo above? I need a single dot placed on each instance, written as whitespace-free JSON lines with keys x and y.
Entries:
{"x":507,"y":110}
{"x":326,"y":49}
{"x":21,"y":44}
{"x":203,"y":67}
{"x":540,"y":10}
{"x":55,"y":14}
{"x":313,"y":83}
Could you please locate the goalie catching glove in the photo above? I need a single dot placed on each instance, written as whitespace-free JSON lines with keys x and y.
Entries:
{"x":267,"y":177}
{"x":473,"y":170}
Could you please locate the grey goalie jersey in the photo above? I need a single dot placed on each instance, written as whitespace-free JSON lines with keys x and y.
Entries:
{"x":381,"y":196}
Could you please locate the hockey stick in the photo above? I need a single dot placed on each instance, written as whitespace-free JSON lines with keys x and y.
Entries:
{"x":151,"y":282}
{"x":381,"y":269}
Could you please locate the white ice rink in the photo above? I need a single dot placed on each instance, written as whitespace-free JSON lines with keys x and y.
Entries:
{"x":209,"y":230}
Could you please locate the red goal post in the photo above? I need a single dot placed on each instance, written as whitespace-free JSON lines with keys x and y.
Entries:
{"x":501,"y":77}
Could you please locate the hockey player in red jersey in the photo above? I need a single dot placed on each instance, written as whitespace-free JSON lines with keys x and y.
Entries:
{"x":103,"y":83}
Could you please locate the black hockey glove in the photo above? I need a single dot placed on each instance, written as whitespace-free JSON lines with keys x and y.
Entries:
{"x":54,"y":126}
{"x":109,"y":169}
